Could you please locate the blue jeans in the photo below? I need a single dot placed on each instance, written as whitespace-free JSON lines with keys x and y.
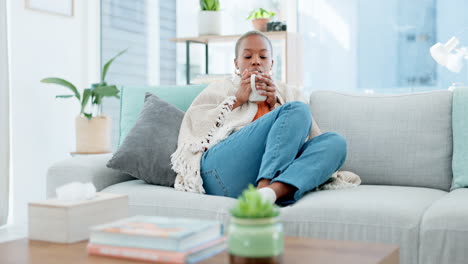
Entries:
{"x":273,"y":147}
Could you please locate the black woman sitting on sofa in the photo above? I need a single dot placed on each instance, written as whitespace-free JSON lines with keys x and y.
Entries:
{"x":227,"y":141}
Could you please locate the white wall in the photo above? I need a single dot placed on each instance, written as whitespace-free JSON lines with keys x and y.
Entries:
{"x":43,"y":45}
{"x":4,"y":119}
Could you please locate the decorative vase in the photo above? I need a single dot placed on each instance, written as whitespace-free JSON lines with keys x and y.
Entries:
{"x":260,"y":24}
{"x":255,"y":240}
{"x":93,"y":136}
{"x":209,"y":23}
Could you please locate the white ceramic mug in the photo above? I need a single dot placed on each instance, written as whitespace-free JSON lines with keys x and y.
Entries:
{"x":254,"y":95}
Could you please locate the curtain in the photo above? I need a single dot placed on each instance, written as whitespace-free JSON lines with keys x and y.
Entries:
{"x":4,"y":118}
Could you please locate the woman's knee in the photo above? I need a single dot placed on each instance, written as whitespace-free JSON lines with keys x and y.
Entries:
{"x":300,"y":109}
{"x":300,"y":106}
{"x":337,"y":143}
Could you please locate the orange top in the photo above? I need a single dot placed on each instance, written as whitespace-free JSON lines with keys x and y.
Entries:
{"x":263,"y":108}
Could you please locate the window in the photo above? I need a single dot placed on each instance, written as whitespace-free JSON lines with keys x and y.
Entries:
{"x":378,"y":46}
{"x":144,"y":27}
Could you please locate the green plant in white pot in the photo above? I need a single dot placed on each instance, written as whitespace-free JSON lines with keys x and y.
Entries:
{"x":93,"y":129}
{"x":209,"y":18}
{"x":260,"y":18}
{"x":255,"y":232}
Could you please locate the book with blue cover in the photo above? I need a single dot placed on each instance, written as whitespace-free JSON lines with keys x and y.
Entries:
{"x":155,"y":232}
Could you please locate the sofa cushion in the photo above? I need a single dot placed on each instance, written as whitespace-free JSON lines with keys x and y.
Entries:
{"x":83,"y":168}
{"x":369,"y":213}
{"x":460,"y":138}
{"x":132,"y":98}
{"x":394,"y":139}
{"x":146,"y":151}
{"x":146,"y":199}
{"x":444,"y":230}
{"x":384,"y":214}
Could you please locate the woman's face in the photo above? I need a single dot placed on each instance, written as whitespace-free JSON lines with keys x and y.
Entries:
{"x":254,"y":54}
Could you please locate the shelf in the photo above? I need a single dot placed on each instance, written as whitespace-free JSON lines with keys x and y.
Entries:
{"x":292,"y":66}
{"x":274,"y":35}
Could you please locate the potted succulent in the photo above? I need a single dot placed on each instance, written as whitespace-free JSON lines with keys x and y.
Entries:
{"x":260,"y":18}
{"x":254,"y":232}
{"x":93,"y":129}
{"x":209,"y":18}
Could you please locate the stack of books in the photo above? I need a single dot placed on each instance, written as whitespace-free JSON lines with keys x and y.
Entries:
{"x":158,"y":239}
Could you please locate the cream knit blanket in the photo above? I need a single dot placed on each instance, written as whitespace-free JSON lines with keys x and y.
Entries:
{"x":210,"y":119}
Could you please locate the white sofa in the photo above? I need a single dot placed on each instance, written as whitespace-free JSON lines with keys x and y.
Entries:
{"x":400,"y":145}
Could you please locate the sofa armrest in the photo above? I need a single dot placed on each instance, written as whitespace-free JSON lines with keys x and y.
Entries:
{"x":90,"y":168}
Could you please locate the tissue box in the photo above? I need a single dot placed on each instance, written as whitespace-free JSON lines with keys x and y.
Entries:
{"x":68,"y":222}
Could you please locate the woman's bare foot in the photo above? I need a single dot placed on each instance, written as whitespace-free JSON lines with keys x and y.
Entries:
{"x":263,"y":183}
{"x":282,"y":189}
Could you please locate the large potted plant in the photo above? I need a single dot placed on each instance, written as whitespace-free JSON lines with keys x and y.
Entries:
{"x":255,"y":233}
{"x":209,"y":18}
{"x":260,"y":18}
{"x":92,"y":127}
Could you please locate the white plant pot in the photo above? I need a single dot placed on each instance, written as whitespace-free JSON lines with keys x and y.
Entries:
{"x":94,"y":135}
{"x":209,"y":23}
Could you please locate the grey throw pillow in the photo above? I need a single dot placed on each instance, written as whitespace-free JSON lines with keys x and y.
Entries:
{"x":145,"y":152}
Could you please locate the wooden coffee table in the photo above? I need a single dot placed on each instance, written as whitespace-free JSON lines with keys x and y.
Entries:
{"x":297,"y":250}
{"x":310,"y":250}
